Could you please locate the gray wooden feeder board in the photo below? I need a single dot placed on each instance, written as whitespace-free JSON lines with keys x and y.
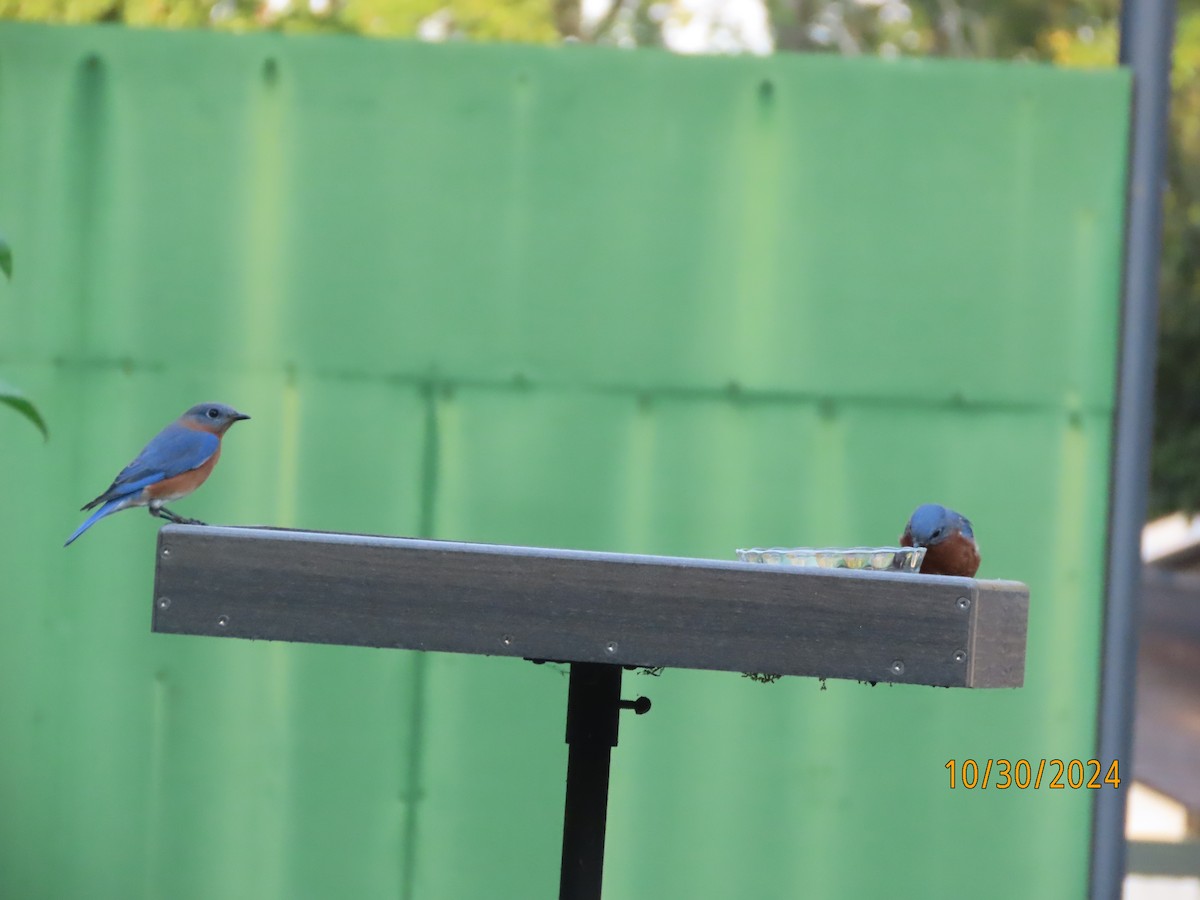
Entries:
{"x":578,"y":606}
{"x":597,"y":611}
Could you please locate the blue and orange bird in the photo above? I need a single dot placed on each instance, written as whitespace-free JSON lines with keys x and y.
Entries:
{"x":175,"y":462}
{"x":948,"y":539}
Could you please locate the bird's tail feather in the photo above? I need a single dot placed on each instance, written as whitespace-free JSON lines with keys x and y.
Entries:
{"x":110,"y":507}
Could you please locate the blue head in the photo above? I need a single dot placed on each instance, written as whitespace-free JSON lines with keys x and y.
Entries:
{"x":932,"y":523}
{"x":211,"y":417}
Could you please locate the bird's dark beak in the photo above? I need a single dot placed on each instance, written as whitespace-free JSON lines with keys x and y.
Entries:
{"x":240,"y":416}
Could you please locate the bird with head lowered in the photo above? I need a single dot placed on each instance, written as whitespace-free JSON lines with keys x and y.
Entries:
{"x":948,"y":539}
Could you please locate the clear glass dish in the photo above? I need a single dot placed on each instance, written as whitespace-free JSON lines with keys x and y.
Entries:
{"x":877,"y":559}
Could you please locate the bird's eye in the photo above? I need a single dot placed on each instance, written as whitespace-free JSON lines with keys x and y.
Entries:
{"x":213,"y":412}
{"x":937,"y":532}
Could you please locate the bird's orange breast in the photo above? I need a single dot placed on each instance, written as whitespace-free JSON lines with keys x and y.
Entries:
{"x":181,"y":485}
{"x":957,"y":555}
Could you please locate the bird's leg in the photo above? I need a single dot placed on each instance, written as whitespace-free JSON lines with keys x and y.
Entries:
{"x":157,"y":511}
{"x":163,"y":513}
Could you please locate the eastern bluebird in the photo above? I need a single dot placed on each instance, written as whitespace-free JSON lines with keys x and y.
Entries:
{"x":948,"y":539}
{"x":175,"y":462}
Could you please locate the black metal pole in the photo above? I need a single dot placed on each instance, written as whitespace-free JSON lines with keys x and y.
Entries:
{"x":1147,"y":32}
{"x":593,"y":709}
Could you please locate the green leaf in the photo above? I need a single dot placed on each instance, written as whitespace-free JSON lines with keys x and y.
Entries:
{"x":12,"y":397}
{"x":5,"y":257}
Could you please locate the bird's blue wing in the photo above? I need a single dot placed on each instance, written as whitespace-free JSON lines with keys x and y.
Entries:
{"x":174,"y":450}
{"x":964,"y":525}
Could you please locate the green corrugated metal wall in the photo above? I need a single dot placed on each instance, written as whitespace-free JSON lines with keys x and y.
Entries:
{"x":565,"y":297}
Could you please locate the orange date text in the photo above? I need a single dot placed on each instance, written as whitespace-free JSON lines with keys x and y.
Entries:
{"x":1033,"y":774}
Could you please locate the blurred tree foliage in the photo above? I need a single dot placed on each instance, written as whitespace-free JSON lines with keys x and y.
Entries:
{"x":527,"y":21}
{"x":1064,"y":32}
{"x":1175,"y":483}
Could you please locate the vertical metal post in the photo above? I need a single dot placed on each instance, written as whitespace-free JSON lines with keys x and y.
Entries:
{"x":593,"y":710}
{"x":1147,"y":32}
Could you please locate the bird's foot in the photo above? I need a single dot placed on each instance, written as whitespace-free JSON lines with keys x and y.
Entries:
{"x":163,"y":513}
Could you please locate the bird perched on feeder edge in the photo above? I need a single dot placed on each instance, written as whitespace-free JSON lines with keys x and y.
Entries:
{"x":948,"y":539}
{"x":176,"y":461}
